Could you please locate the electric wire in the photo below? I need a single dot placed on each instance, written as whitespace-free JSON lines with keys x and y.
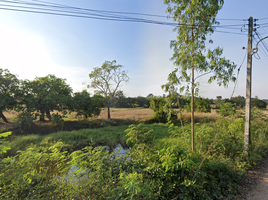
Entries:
{"x":90,"y":13}
{"x":262,"y":41}
{"x":230,"y":32}
{"x":263,"y":46}
{"x":45,"y":3}
{"x":91,"y":17}
{"x":82,"y":14}
{"x":260,"y":48}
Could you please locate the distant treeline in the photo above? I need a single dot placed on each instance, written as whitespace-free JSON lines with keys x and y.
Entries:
{"x":240,"y":102}
{"x":202,"y":104}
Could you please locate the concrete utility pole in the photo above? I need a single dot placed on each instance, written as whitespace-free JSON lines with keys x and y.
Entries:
{"x":248,"y":89}
{"x":192,"y":100}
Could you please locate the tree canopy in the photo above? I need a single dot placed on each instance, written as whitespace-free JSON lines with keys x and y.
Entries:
{"x":87,"y":106}
{"x":45,"y":94}
{"x":196,"y":20}
{"x":107,"y":79}
{"x":9,"y":85}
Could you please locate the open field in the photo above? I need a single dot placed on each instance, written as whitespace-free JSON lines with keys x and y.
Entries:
{"x":125,"y":115}
{"x":119,"y":116}
{"x":128,"y":113}
{"x":139,"y":114}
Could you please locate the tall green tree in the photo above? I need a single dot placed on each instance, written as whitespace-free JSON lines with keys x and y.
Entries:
{"x":9,"y":85}
{"x":46,"y":94}
{"x":196,"y":20}
{"x":107,"y":79}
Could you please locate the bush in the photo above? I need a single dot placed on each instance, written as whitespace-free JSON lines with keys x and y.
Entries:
{"x":57,"y":120}
{"x":25,"y":120}
{"x":162,"y":112}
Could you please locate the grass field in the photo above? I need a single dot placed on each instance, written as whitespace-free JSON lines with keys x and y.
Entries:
{"x":118,"y":116}
{"x":123,"y":113}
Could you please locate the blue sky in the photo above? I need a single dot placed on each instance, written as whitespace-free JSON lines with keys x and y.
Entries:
{"x":36,"y":45}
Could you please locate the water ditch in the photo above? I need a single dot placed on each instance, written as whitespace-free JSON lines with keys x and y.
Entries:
{"x":119,"y":149}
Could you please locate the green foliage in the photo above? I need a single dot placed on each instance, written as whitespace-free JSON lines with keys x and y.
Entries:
{"x":200,"y":105}
{"x":227,"y":108}
{"x":33,"y":174}
{"x":257,"y":103}
{"x":162,"y":110}
{"x":45,"y":94}
{"x":120,"y":101}
{"x":87,"y":106}
{"x":73,"y":140}
{"x":190,"y":47}
{"x":107,"y":79}
{"x":9,"y":85}
{"x":3,"y":144}
{"x":157,"y":166}
{"x":138,"y":134}
{"x":191,"y":53}
{"x":239,"y":101}
{"x":25,"y":119}
{"x":130,"y":184}
{"x":57,"y":120}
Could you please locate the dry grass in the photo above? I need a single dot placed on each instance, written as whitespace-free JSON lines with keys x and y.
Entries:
{"x":186,"y":116}
{"x":142,"y":114}
{"x":265,"y":112}
{"x":137,"y":114}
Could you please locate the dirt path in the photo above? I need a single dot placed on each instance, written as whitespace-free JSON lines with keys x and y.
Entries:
{"x":255,"y":184}
{"x":260,"y":192}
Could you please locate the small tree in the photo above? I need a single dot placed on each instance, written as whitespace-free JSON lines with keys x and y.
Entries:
{"x":196,"y":19}
{"x":8,"y":91}
{"x":87,"y":106}
{"x":107,"y":79}
{"x":162,"y":109}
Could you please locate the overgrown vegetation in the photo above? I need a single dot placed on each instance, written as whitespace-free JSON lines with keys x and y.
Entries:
{"x":157,"y":166}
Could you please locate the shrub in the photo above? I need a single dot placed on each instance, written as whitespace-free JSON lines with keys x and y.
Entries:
{"x":25,"y":119}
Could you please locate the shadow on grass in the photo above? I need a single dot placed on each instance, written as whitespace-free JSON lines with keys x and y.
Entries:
{"x":46,"y":127}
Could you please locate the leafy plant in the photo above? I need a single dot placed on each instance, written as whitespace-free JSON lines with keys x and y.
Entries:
{"x":3,"y":143}
{"x":57,"y":120}
{"x":25,"y":119}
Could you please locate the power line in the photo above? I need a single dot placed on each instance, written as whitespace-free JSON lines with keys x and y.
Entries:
{"x":262,"y":41}
{"x":263,"y":47}
{"x":263,"y":18}
{"x":238,"y":71}
{"x":98,"y":16}
{"x":43,"y":7}
{"x":91,"y":17}
{"x":260,"y":49}
{"x":94,"y":10}
{"x":230,"y":32}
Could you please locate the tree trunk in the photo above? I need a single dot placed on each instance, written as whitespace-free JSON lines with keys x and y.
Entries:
{"x":3,"y":117}
{"x":192,"y":110}
{"x":48,"y":114}
{"x":193,"y":86}
{"x":109,"y":115}
{"x":42,"y":116}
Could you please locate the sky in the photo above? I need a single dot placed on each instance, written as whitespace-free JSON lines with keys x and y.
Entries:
{"x":35,"y":45}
